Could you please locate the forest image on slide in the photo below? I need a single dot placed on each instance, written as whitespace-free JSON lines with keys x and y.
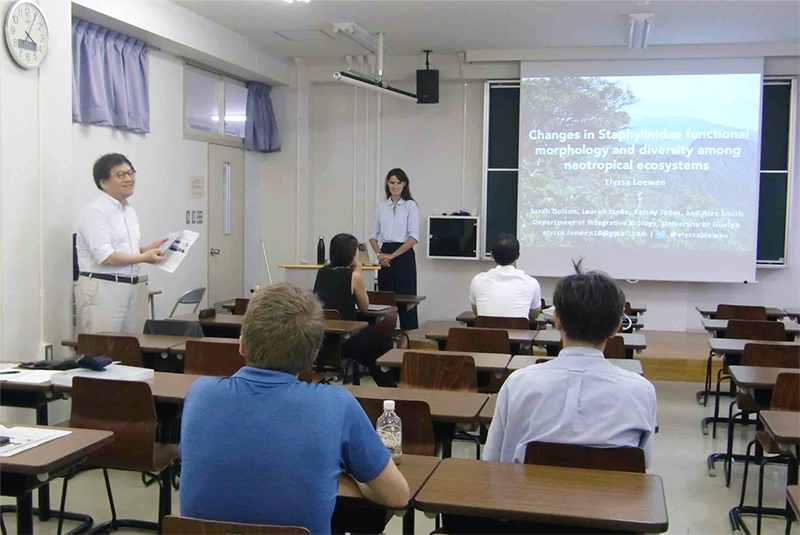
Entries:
{"x":673,"y":187}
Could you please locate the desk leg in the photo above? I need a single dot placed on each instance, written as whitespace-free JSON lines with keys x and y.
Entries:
{"x":408,"y":522}
{"x":44,"y":490}
{"x":152,"y":308}
{"x":25,"y":514}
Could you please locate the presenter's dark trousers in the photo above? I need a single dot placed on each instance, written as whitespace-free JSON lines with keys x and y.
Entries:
{"x":400,"y":278}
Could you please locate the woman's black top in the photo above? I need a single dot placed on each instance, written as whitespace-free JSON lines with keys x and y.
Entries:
{"x":333,"y":287}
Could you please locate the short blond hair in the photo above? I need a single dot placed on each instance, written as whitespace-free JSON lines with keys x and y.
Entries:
{"x":283,"y":328}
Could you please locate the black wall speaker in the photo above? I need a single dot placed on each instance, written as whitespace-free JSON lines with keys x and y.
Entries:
{"x":427,"y":86}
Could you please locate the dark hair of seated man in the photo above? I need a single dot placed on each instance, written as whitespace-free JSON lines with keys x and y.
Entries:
{"x":505,"y":249}
{"x":589,"y":305}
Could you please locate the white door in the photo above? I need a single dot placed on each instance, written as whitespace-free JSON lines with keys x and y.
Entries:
{"x":225,"y":223}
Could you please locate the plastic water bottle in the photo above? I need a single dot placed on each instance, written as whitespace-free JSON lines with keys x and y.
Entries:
{"x":321,"y":251}
{"x":390,"y":429}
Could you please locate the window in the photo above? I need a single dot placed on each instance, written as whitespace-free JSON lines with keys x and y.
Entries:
{"x":214,"y":107}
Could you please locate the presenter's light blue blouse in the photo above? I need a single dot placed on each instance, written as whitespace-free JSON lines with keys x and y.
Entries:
{"x":395,"y":223}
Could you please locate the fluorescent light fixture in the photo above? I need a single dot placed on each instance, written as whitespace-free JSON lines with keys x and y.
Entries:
{"x":292,"y":1}
{"x":358,"y":35}
{"x":366,"y":83}
{"x":643,"y":20}
{"x":230,"y":118}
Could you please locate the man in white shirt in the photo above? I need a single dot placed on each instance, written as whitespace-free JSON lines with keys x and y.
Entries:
{"x":578,"y":397}
{"x":505,"y":291}
{"x":108,"y":250}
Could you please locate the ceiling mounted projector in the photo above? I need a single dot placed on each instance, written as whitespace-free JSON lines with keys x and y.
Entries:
{"x":373,"y":44}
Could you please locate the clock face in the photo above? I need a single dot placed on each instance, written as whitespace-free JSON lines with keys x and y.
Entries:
{"x":27,"y":36}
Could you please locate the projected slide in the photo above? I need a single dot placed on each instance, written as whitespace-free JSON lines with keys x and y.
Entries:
{"x":647,"y":177}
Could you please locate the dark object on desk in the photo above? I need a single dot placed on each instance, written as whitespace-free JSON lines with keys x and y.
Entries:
{"x":4,"y":440}
{"x":65,"y":364}
{"x":97,"y":364}
{"x":321,"y":251}
{"x":207,"y":313}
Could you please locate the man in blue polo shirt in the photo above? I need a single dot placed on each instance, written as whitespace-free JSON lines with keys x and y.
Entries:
{"x":262,"y":447}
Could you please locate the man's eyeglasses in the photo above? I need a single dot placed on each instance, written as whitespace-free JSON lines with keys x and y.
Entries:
{"x":122,"y":174}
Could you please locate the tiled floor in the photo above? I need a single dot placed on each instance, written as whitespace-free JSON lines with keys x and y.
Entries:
{"x":696,"y":502}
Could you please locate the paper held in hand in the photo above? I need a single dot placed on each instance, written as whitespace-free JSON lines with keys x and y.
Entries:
{"x":175,"y":249}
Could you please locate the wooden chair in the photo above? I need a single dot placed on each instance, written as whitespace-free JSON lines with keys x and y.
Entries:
{"x":217,"y":359}
{"x":418,"y":436}
{"x":785,"y":397}
{"x":496,"y":322}
{"x":620,"y":459}
{"x":476,"y":340}
{"x":742,"y":330}
{"x":382,"y":298}
{"x":240,"y":306}
{"x":331,"y":314}
{"x":122,"y":348}
{"x":761,"y":355}
{"x":615,"y":348}
{"x":126,"y":408}
{"x":740,"y":312}
{"x":434,"y":371}
{"x":177,"y":525}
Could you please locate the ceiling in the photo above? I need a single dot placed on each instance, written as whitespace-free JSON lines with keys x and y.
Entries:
{"x":450,"y":26}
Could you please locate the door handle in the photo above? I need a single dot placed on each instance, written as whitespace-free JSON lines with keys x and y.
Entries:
{"x":215,"y":251}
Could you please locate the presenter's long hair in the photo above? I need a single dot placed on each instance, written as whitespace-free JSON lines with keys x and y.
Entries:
{"x":402,"y":177}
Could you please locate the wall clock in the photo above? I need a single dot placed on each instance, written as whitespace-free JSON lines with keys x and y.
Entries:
{"x":27,"y":34}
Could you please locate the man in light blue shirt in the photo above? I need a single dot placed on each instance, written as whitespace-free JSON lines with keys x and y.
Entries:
{"x":262,"y":447}
{"x":578,"y":397}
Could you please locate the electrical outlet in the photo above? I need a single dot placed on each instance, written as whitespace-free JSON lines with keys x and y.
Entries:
{"x":194,"y":216}
{"x":188,"y":217}
{"x":199,"y":217}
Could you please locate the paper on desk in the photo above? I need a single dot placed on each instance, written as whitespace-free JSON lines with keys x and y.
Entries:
{"x":178,"y":250}
{"x":6,"y":377}
{"x":25,"y":438}
{"x":31,"y":377}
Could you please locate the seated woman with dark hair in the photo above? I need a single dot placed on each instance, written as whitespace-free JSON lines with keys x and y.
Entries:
{"x":340,"y":286}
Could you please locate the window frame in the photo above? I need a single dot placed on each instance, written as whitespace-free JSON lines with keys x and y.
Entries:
{"x":220,"y":138}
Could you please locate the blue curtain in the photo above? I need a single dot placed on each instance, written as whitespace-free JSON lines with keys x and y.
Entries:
{"x":109,"y":78}
{"x":260,"y":129}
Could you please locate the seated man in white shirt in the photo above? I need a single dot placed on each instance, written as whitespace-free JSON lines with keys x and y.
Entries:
{"x":578,"y":397}
{"x":505,"y":291}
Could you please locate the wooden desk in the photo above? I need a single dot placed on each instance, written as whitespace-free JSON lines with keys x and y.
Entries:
{"x":747,"y":377}
{"x":20,"y":474}
{"x":234,"y":322}
{"x":484,"y":362}
{"x":468,"y":318}
{"x":735,"y":346}
{"x":716,"y":326}
{"x":783,"y":426}
{"x":407,"y":302}
{"x":547,"y":494}
{"x":637,"y":308}
{"x":708,"y":311}
{"x":180,"y":349}
{"x":456,"y":407}
{"x":487,"y":412}
{"x":551,"y":340}
{"x":149,"y":343}
{"x":523,"y":361}
{"x":793,"y":497}
{"x":515,"y":336}
{"x":167,"y":387}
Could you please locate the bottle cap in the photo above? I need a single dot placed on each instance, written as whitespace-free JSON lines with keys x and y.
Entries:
{"x":388,"y":405}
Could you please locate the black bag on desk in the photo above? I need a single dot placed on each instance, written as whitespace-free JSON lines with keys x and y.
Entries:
{"x":83,"y":361}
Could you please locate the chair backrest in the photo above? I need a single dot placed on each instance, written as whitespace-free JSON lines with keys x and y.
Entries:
{"x":418,"y":436}
{"x":740,"y":312}
{"x":124,"y":407}
{"x":621,"y":459}
{"x":192,"y":297}
{"x":177,"y":525}
{"x":218,"y":359}
{"x":627,"y":308}
{"x":240,"y":306}
{"x":615,"y":348}
{"x":756,"y":330}
{"x":769,"y":356}
{"x":496,"y":322}
{"x":331,"y":314}
{"x":786,"y":394}
{"x":434,"y":371}
{"x":477,"y":340}
{"x":382,"y":298}
{"x":173,"y":328}
{"x":122,"y":348}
